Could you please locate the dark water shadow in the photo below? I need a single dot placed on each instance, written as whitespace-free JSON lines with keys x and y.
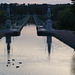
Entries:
{"x":49,"y":42}
{"x":8,"y":45}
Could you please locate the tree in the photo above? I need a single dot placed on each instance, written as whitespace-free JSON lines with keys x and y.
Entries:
{"x":73,"y":1}
{"x":66,"y":20}
{"x":73,"y":6}
{"x":2,"y":16}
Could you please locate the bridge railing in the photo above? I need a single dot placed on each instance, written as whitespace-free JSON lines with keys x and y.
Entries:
{"x":21,"y":23}
{"x":39,"y":22}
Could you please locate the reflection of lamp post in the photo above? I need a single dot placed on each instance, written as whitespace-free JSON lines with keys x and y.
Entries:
{"x":8,"y":41}
{"x":49,"y":41}
{"x":8,"y":22}
{"x":49,"y":21}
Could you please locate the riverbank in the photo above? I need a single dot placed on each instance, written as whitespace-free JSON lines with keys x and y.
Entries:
{"x":66,"y":36}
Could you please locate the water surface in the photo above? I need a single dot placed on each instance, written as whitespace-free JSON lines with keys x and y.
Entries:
{"x":29,"y":54}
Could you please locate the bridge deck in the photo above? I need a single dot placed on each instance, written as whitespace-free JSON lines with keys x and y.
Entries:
{"x":15,"y":31}
{"x":65,"y":36}
{"x":21,"y":23}
{"x":39,"y":23}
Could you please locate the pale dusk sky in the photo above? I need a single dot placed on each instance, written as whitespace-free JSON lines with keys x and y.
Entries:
{"x":36,"y":1}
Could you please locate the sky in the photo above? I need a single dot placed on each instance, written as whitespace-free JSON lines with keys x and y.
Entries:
{"x":36,"y":1}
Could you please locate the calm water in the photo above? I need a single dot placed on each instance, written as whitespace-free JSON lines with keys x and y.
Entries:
{"x":29,"y":54}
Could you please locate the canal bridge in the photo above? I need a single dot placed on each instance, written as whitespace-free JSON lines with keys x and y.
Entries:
{"x":15,"y":29}
{"x":39,"y":23}
{"x":43,"y":29}
{"x":66,"y":36}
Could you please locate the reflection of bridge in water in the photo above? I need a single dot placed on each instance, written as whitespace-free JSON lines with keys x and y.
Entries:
{"x":8,"y":41}
{"x":49,"y":42}
{"x":9,"y":60}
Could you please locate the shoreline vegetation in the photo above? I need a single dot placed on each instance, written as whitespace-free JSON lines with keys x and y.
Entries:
{"x":62,"y":15}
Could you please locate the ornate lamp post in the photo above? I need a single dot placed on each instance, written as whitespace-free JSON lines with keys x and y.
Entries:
{"x":8,"y":21}
{"x":49,"y":21}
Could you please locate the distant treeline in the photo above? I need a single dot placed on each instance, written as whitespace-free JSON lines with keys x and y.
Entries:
{"x":39,"y":9}
{"x":62,"y":14}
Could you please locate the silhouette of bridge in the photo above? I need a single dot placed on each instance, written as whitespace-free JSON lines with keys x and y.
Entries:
{"x":66,"y":36}
{"x":43,"y":29}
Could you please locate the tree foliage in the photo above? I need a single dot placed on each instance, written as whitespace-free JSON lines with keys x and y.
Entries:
{"x":66,"y":20}
{"x":2,"y":16}
{"x":73,"y":6}
{"x":60,"y":13}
